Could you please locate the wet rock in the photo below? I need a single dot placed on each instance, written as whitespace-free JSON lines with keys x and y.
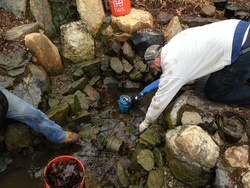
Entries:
{"x":18,"y":136}
{"x":121,"y":37}
{"x":111,"y":83}
{"x":76,"y":85}
{"x":78,"y":74}
{"x":207,"y":10}
{"x":220,"y":4}
{"x":189,"y":145}
{"x":114,"y":48}
{"x":210,"y":127}
{"x":153,"y":136}
{"x":91,"y":67}
{"x":94,"y":80}
{"x":192,"y":102}
{"x":39,"y":76}
{"x":193,"y":21}
{"x":128,"y":52}
{"x":146,"y":159}
{"x":155,"y":178}
{"x":172,"y":29}
{"x":164,"y":17}
{"x":17,"y":7}
{"x":222,"y":178}
{"x":91,"y":93}
{"x":93,"y":19}
{"x":191,"y":118}
{"x":73,"y":101}
{"x":134,"y":21}
{"x":89,"y":131}
{"x":127,"y":66}
{"x":121,"y":172}
{"x":83,"y":101}
{"x":16,"y":72}
{"x":116,"y":65}
{"x":16,"y":32}
{"x":149,"y":77}
{"x":45,"y":51}
{"x":138,"y":64}
{"x":63,"y":11}
{"x":158,"y":156}
{"x":237,"y":156}
{"x":171,"y":115}
{"x":59,"y":113}
{"x":242,"y":14}
{"x":108,"y":31}
{"x":33,"y":86}
{"x":135,"y":75}
{"x":144,"y":38}
{"x":5,"y":160}
{"x":134,"y":166}
{"x":82,"y":116}
{"x":53,"y":102}
{"x":6,"y":81}
{"x":44,"y":20}
{"x":230,"y":10}
{"x":77,"y":43}
{"x":90,"y":181}
{"x":15,"y":59}
{"x":132,"y":85}
{"x":105,"y":64}
{"x":246,"y":180}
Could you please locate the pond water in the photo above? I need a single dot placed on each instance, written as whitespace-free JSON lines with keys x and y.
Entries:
{"x":27,"y":168}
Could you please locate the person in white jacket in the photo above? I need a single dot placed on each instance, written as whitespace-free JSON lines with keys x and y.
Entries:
{"x":221,"y":49}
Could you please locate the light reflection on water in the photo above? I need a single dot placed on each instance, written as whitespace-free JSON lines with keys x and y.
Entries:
{"x":26,"y":171}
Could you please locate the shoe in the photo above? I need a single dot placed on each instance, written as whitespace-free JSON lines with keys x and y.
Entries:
{"x":71,"y":137}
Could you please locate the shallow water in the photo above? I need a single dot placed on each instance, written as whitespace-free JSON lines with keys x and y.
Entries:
{"x":26,"y":170}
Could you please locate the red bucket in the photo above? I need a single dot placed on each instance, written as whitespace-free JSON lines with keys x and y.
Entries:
{"x":64,"y":158}
{"x":119,"y":7}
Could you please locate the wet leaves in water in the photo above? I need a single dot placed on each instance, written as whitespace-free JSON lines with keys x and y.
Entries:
{"x":64,"y":174}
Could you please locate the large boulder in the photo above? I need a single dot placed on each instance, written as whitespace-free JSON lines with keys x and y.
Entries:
{"x":45,"y":52}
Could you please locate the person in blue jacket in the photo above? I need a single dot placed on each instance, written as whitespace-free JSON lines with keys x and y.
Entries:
{"x":13,"y":107}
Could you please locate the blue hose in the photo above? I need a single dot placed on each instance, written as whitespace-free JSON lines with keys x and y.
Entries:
{"x":125,"y":101}
{"x":150,"y":87}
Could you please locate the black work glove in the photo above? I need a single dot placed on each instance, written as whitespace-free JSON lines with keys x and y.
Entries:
{"x":136,"y":99}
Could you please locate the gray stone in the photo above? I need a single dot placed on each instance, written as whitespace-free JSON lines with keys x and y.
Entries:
{"x":16,"y":32}
{"x":76,"y":85}
{"x":59,"y":113}
{"x":73,"y":101}
{"x":155,"y":178}
{"x":14,"y":59}
{"x":116,"y":65}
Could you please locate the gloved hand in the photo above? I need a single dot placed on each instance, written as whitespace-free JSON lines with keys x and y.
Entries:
{"x":137,"y":98}
{"x":143,"y":126}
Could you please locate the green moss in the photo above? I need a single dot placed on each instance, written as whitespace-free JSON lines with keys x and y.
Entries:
{"x":167,"y":114}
